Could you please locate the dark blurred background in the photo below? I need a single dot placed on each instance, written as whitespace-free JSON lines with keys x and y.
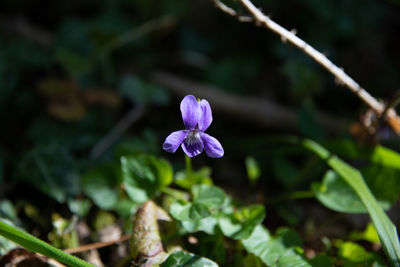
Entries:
{"x":83,"y":82}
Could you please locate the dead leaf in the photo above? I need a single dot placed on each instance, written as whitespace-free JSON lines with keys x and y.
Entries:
{"x":53,"y":88}
{"x":67,"y":109}
{"x":105,"y":98}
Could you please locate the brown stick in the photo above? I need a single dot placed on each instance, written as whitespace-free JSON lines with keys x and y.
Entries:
{"x":339,"y":74}
{"x":97,"y":245}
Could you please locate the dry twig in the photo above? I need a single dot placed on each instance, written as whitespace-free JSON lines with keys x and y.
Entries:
{"x":232,"y":12}
{"x":249,"y":109}
{"x":97,"y":245}
{"x":22,"y":27}
{"x":339,"y":74}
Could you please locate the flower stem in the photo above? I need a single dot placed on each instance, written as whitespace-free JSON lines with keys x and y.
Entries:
{"x":188,"y":163}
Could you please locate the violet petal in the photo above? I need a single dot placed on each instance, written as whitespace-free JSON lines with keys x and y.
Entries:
{"x":191,"y":112}
{"x":212,"y":146}
{"x":206,"y":115}
{"x":192,"y":147}
{"x":174,"y":140}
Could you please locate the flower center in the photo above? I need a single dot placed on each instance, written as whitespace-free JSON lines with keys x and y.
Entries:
{"x":193,"y":137}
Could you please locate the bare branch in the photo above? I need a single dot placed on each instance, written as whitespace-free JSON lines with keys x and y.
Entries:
{"x":339,"y":74}
{"x":22,"y":27}
{"x":248,"y":109}
{"x":232,"y":12}
{"x":97,"y":245}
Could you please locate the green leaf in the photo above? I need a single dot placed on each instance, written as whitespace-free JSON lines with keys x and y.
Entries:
{"x":6,"y":244}
{"x":165,"y":172}
{"x":207,"y":199}
{"x":251,"y":261}
{"x":292,"y":259}
{"x":288,"y":237}
{"x":101,"y":185}
{"x":207,"y":225}
{"x":321,"y":260}
{"x":188,"y":211}
{"x":240,"y":224}
{"x":51,"y":168}
{"x":369,"y":234}
{"x":201,"y":176}
{"x":198,"y":211}
{"x":8,"y":214}
{"x":384,"y":182}
{"x":34,"y":244}
{"x":385,"y":157}
{"x":352,"y":252}
{"x":337,"y":195}
{"x":79,"y":207}
{"x":126,"y":207}
{"x":386,"y":230}
{"x":182,"y":258}
{"x":208,"y":195}
{"x":7,"y":211}
{"x":253,"y":169}
{"x":144,"y":175}
{"x":378,"y":155}
{"x":281,"y":250}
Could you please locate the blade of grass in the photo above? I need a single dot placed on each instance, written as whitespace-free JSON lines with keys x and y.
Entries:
{"x":34,"y":244}
{"x":386,"y":229}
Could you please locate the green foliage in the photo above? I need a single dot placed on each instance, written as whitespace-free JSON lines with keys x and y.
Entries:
{"x":208,"y":225}
{"x":377,"y":155}
{"x":356,"y":255}
{"x":101,"y":185}
{"x":182,"y":258}
{"x":33,"y":244}
{"x":188,"y":179}
{"x":144,"y":175}
{"x":50,"y":170}
{"x":241,"y":223}
{"x":79,"y":207}
{"x":64,"y":234}
{"x":206,"y":200}
{"x":284,"y":249}
{"x":338,"y":195}
{"x":84,"y":48}
{"x":8,"y":214}
{"x":253,"y":169}
{"x":386,"y":230}
{"x":369,"y":234}
{"x":210,"y":196}
{"x":383,"y":181}
{"x":321,"y":260}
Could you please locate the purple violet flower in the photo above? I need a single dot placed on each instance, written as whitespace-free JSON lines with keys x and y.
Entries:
{"x":197,"y":118}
